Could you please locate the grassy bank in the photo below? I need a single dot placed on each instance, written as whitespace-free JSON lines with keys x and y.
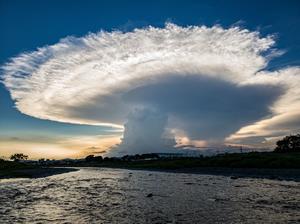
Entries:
{"x":269,"y":165}
{"x":237,"y":160}
{"x":11,"y":165}
{"x":10,"y":169}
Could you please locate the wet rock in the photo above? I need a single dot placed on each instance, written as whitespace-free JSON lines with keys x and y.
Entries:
{"x":188,"y":183}
{"x":291,"y":206}
{"x":149,"y":195}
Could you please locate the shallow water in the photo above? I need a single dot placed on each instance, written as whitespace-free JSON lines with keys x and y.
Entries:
{"x":98,"y":195}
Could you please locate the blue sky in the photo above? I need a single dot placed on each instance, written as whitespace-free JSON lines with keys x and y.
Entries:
{"x":27,"y":25}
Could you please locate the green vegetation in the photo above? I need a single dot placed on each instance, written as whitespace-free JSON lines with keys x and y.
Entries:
{"x":289,"y":144}
{"x":12,"y":165}
{"x":18,"y":157}
{"x":236,"y":160}
{"x":13,"y":169}
{"x":286,"y":155}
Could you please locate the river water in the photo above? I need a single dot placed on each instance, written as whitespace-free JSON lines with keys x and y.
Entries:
{"x":98,"y":195}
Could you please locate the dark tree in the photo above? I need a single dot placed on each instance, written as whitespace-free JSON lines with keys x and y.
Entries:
{"x":146,"y":156}
{"x":92,"y":158}
{"x":42,"y":161}
{"x":89,"y":158}
{"x":18,"y":156}
{"x":98,"y":158}
{"x":289,"y":144}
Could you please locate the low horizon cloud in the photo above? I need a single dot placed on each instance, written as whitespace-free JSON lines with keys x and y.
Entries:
{"x":170,"y":86}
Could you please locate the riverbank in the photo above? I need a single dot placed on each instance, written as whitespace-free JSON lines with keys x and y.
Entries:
{"x":10,"y":169}
{"x":280,"y":166}
{"x":34,"y":172}
{"x":270,"y":165}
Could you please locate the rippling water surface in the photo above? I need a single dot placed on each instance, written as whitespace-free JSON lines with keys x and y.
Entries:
{"x":97,"y":195}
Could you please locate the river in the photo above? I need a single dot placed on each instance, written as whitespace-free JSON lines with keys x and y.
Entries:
{"x":102,"y":195}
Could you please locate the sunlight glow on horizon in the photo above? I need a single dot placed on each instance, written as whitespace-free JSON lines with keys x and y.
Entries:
{"x":75,"y":147}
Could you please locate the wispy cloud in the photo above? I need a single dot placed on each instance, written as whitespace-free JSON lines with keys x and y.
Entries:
{"x":210,"y":82}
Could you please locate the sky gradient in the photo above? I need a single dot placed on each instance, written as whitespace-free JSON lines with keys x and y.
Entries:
{"x":236,"y":70}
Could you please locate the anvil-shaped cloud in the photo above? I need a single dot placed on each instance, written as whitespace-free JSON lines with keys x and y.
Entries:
{"x":209,"y":83}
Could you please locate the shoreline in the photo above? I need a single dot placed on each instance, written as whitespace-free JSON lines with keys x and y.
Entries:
{"x":233,"y":173}
{"x":35,"y":172}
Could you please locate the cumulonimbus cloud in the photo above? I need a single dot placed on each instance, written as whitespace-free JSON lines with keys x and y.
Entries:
{"x":211,"y":82}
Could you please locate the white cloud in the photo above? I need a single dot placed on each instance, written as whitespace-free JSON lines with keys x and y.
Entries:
{"x":144,"y":133}
{"x":84,"y":80}
{"x":285,"y":116}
